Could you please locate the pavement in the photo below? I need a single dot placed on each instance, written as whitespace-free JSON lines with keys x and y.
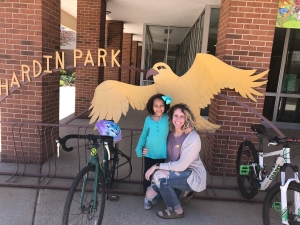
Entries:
{"x":27,"y":206}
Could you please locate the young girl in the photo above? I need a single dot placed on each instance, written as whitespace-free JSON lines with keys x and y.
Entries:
{"x":152,"y":143}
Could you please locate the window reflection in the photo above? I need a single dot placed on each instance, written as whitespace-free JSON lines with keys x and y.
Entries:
{"x":276,"y":58}
{"x":288,"y":110}
{"x":213,"y":31}
{"x":269,"y":107}
{"x":291,"y":78}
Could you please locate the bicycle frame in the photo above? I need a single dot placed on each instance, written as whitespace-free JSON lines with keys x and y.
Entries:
{"x":94,"y":159}
{"x":282,"y":162}
{"x":283,"y":157}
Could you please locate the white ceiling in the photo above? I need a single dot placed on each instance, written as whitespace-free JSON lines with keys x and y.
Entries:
{"x":135,"y":13}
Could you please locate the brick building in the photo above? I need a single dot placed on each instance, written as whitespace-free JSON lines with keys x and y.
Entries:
{"x":241,"y":33}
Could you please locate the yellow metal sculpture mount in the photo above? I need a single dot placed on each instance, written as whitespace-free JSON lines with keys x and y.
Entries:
{"x":207,"y":76}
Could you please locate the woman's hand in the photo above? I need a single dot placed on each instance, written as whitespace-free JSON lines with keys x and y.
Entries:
{"x":188,"y":130}
{"x":150,"y":172}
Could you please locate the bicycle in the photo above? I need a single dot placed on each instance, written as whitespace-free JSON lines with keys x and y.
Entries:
{"x":85,"y":202}
{"x":282,"y":201}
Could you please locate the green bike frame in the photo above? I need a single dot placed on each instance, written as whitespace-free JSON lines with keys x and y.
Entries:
{"x":94,"y":159}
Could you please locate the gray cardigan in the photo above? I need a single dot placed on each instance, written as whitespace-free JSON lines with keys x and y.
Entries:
{"x":190,"y":159}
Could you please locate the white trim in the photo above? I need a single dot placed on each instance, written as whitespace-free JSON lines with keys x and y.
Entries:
{"x":143,"y":54}
{"x":206,"y":28}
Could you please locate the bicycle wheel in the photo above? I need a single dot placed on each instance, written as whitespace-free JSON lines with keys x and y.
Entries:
{"x":73,"y":213}
{"x":247,"y":184}
{"x":272,"y":207}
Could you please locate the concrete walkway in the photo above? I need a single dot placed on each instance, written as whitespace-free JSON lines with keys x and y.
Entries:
{"x":45,"y":206}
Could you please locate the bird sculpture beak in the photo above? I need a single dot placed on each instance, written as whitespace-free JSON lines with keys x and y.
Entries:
{"x":151,"y":72}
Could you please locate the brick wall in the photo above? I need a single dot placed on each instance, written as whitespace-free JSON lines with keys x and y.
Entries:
{"x":126,"y":56}
{"x":90,"y":36}
{"x":245,"y":38}
{"x":30,"y":29}
{"x":69,"y":53}
{"x":133,"y":61}
{"x":114,"y":40}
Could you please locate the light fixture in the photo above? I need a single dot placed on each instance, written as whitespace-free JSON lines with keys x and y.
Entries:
{"x":108,"y":12}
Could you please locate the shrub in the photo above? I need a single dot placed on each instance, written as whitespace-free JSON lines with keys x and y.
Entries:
{"x":67,"y":79}
{"x":61,"y":83}
{"x":63,"y":72}
{"x":74,"y":74}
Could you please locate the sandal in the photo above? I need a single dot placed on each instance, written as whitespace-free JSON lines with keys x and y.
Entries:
{"x":185,"y":200}
{"x":167,"y":214}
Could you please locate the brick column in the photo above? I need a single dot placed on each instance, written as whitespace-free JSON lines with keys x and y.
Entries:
{"x":139,"y":59}
{"x":126,"y":56}
{"x":28,"y":32}
{"x":245,"y":38}
{"x":114,"y":40}
{"x":90,"y":36}
{"x":133,"y":61}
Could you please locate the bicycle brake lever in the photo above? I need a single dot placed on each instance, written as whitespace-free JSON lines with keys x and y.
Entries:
{"x":58,"y":144}
{"x":107,"y":149}
{"x":272,"y":143}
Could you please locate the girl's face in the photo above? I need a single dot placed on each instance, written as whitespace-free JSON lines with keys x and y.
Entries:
{"x":178,"y":119}
{"x":158,"y":107}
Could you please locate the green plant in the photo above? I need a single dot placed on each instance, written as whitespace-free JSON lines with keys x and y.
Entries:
{"x":67,"y":79}
{"x":61,"y":83}
{"x":74,"y":74}
{"x":63,"y":72}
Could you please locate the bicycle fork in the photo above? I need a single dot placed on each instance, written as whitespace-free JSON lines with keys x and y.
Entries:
{"x":94,"y":208}
{"x":283,"y":191}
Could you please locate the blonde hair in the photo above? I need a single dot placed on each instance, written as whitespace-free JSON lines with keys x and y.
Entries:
{"x":190,"y":121}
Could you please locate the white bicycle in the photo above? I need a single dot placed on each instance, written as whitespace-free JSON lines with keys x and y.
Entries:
{"x":282,"y":201}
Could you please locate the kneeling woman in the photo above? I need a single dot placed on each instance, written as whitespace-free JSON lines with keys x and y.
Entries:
{"x":183,"y":171}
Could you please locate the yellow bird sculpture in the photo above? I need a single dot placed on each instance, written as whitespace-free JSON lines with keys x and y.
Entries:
{"x":207,"y":76}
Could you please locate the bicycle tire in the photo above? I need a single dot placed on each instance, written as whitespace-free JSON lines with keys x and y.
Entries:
{"x":273,"y":216}
{"x":245,"y":151}
{"x":72,"y":212}
{"x":111,"y":171}
{"x":112,"y":166}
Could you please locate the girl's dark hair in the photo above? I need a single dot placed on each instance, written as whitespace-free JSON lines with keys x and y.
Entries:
{"x":190,"y":121}
{"x":149,"y":105}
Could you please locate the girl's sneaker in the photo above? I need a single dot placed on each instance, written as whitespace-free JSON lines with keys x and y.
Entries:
{"x":147,"y":204}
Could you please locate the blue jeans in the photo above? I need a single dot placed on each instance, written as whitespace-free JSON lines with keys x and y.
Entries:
{"x":170,"y":188}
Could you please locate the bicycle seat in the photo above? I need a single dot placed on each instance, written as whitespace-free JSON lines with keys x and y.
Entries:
{"x":259,"y":128}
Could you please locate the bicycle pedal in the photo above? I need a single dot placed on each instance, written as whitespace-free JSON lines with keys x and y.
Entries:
{"x":244,"y":170}
{"x":115,"y":198}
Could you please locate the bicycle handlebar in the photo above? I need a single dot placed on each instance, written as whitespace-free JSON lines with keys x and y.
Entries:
{"x":262,"y":133}
{"x":63,"y":140}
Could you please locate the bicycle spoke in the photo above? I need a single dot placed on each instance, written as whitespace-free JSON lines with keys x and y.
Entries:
{"x":80,"y":210}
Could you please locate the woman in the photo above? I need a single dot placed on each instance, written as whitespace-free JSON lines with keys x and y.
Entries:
{"x":183,"y":171}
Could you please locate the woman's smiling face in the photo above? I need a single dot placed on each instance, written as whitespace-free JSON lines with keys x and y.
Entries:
{"x":178,"y":118}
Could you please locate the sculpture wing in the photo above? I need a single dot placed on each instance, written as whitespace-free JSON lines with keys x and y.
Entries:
{"x":208,"y":75}
{"x":111,"y":98}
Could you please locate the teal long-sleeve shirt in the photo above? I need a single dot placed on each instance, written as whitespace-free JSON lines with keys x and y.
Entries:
{"x":154,"y":137}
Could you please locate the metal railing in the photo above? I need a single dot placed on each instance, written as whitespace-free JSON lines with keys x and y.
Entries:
{"x":58,"y":173}
{"x":52,"y":172}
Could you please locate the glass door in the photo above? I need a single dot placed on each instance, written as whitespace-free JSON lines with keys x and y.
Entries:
{"x":178,"y":46}
{"x":283,"y":106}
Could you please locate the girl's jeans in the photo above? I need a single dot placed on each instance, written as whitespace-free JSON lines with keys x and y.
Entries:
{"x":148,"y":162}
{"x":171,"y":187}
